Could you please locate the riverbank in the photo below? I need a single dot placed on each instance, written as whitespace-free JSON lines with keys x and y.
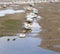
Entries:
{"x":11,"y":24}
{"x":50,"y":15}
{"x":50,"y":25}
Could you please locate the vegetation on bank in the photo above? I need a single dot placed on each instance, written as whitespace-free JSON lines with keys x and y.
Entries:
{"x":9,"y":26}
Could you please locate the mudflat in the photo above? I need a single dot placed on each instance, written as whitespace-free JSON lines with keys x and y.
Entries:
{"x":50,"y":23}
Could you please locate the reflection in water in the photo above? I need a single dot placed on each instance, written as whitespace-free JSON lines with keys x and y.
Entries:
{"x":14,"y":39}
{"x":8,"y":39}
{"x":36,"y":28}
{"x":22,"y":46}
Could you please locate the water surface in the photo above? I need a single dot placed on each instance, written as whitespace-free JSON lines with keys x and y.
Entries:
{"x":26,"y":45}
{"x":10,"y":11}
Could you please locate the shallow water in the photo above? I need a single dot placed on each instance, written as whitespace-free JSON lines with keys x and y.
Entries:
{"x":10,"y":11}
{"x":36,"y":28}
{"x":28,"y":45}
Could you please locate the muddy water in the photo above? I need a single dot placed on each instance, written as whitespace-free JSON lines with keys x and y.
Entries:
{"x":28,"y":45}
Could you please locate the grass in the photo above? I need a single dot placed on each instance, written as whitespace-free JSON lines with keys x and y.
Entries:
{"x":9,"y":25}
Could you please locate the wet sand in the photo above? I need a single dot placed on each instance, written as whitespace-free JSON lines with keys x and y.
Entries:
{"x":50,"y":25}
